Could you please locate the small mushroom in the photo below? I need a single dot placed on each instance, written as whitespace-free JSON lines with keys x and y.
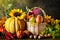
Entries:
{"x":49,"y":35}
{"x":35,"y":36}
{"x":45,"y":35}
{"x":39,"y":37}
{"x":30,"y":36}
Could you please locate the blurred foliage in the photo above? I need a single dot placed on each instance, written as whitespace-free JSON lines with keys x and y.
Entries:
{"x":52,"y":27}
{"x":7,"y":5}
{"x":54,"y":30}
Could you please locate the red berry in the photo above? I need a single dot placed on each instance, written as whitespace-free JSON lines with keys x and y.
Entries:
{"x":10,"y":35}
{"x":2,"y":30}
{"x":14,"y":35}
{"x":7,"y":38}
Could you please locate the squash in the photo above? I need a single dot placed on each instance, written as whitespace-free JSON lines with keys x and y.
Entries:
{"x":13,"y":24}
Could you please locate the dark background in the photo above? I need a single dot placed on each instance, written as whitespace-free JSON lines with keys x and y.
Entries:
{"x":51,"y":7}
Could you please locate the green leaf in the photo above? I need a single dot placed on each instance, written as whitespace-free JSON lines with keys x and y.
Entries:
{"x":53,"y":34}
{"x":57,"y":26}
{"x":27,"y":9}
{"x":50,"y":29}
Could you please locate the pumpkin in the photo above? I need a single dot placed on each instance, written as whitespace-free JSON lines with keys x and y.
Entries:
{"x":13,"y":24}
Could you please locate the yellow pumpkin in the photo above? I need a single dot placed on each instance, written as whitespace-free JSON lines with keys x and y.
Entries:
{"x":13,"y":24}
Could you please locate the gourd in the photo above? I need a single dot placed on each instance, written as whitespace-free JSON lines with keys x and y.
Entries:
{"x":13,"y":24}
